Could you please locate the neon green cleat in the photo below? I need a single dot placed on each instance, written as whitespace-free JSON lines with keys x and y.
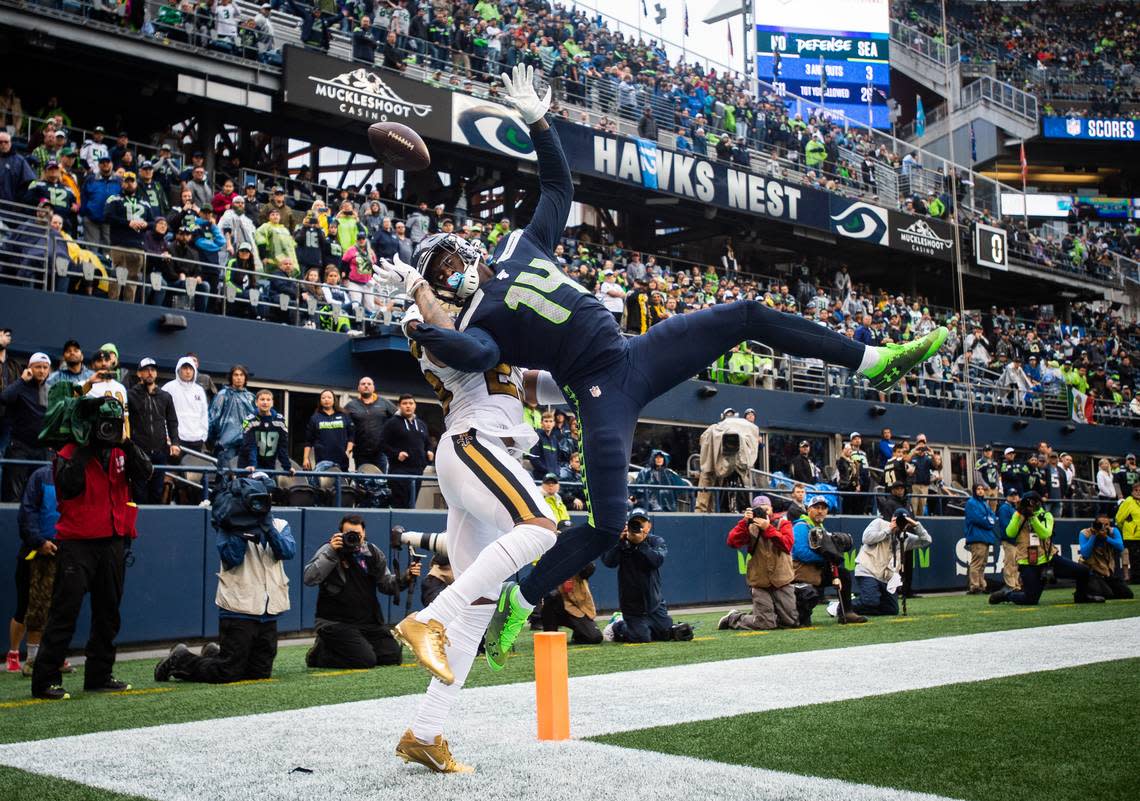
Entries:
{"x":895,"y":361}
{"x":505,"y":625}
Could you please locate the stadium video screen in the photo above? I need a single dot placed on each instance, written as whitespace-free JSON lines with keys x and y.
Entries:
{"x":833,"y":52}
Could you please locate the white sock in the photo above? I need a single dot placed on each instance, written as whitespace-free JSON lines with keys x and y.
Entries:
{"x":501,"y":559}
{"x":870,"y":358}
{"x":464,"y":635}
{"x":32,"y":651}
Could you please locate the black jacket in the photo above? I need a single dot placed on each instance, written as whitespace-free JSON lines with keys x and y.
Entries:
{"x":411,"y":436}
{"x":368,"y":421}
{"x":346,"y":597}
{"x":639,"y":575}
{"x":25,"y":403}
{"x":803,"y":470}
{"x":10,"y":370}
{"x":154,"y":424}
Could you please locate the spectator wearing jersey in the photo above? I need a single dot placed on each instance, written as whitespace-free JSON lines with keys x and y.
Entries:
{"x":265,"y":442}
{"x":544,"y":454}
{"x":238,"y":229}
{"x":611,"y":295}
{"x":51,"y":190}
{"x":312,"y":245}
{"x":328,"y":435}
{"x":369,"y":412}
{"x":404,"y":440}
{"x":128,"y":217}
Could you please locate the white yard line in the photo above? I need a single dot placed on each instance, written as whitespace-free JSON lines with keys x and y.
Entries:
{"x":349,"y":746}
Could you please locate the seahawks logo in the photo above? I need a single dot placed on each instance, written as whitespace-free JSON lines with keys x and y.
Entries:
{"x":491,"y":127}
{"x":862,"y":221}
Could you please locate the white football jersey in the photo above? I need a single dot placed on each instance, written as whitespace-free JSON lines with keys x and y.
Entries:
{"x":490,"y":402}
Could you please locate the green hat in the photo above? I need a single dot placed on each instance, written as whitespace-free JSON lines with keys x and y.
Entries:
{"x":111,"y":347}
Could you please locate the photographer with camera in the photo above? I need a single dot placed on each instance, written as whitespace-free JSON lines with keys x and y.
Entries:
{"x":817,"y":560}
{"x":96,"y":522}
{"x":252,"y":588}
{"x":1031,"y":532}
{"x":1128,"y":521}
{"x":1100,"y":546}
{"x":638,"y":557}
{"x":878,"y":568}
{"x":768,"y":537}
{"x":572,"y":605}
{"x":351,"y":632}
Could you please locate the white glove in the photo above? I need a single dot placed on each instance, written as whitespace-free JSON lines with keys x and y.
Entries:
{"x":400,"y":273}
{"x":520,"y":89}
{"x":411,"y":314}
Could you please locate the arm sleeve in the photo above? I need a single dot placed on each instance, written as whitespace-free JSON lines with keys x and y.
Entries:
{"x":386,"y":446}
{"x":231,"y":549}
{"x":69,"y":474}
{"x":1013,"y":526}
{"x":783,"y":534}
{"x":281,"y":540}
{"x":547,"y":390}
{"x":248,"y":454}
{"x":283,"y":450}
{"x":311,"y":432}
{"x":549,"y":218}
{"x":171,"y":421}
{"x":386,"y":581}
{"x":470,"y":351}
{"x":1088,"y":541}
{"x":653,"y":551}
{"x":611,"y":557}
{"x":739,"y":536}
{"x":800,"y":550}
{"x":1043,"y":526}
{"x":1116,"y":540}
{"x":29,"y":515}
{"x":319,"y":567}
{"x":919,"y":538}
{"x":876,"y":531}
{"x":1123,"y":513}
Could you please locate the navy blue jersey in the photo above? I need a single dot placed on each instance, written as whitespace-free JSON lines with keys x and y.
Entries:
{"x":536,"y":315}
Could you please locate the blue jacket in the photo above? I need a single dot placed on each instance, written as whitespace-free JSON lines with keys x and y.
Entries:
{"x":639,"y":574}
{"x":228,"y":411}
{"x":980,"y":522}
{"x":801,"y":552}
{"x":15,"y":175}
{"x":544,"y":454}
{"x":38,"y":510}
{"x":95,"y":192}
{"x":657,"y":500}
{"x":1004,"y":515}
{"x":1114,"y":539}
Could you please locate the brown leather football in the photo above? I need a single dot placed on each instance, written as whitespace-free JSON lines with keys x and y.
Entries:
{"x":398,"y":145}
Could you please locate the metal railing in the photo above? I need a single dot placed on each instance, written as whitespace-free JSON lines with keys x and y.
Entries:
{"x":936,"y":52}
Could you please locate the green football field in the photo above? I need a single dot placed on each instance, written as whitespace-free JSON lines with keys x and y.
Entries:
{"x":946,"y":740}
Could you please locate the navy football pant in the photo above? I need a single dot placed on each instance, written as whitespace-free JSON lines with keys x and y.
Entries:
{"x":609,"y":402}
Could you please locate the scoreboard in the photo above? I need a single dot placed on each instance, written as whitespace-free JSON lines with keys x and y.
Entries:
{"x":844,"y":67}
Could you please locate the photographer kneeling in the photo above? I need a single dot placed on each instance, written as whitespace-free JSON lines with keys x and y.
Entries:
{"x":817,"y":560}
{"x":1031,"y":531}
{"x":351,"y":632}
{"x":638,"y":557}
{"x":768,"y":538}
{"x":886,"y":546}
{"x":1100,"y":545}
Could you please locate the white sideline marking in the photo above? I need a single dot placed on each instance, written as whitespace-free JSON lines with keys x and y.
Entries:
{"x":349,"y":746}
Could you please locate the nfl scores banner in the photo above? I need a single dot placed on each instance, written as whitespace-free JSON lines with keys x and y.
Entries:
{"x":355,"y":92}
{"x":1097,"y":130}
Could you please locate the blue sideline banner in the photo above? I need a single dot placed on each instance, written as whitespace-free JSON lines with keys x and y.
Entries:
{"x":1099,"y":130}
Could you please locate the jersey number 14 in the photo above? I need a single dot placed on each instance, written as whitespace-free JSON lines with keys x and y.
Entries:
{"x":531,"y":289}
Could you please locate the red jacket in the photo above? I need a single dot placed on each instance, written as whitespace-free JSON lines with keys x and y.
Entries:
{"x":103,"y":509}
{"x":779,"y":529}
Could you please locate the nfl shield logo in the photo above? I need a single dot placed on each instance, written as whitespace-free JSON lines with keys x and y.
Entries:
{"x":596,"y":391}
{"x":1073,"y":127}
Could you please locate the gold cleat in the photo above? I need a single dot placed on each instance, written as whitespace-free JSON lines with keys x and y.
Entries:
{"x":436,"y":757}
{"x":427,"y":642}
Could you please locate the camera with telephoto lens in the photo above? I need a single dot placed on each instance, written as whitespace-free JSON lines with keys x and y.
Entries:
{"x":436,"y":542}
{"x":105,"y":416}
{"x":830,"y":544}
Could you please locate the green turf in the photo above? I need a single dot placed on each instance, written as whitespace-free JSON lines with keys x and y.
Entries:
{"x":19,"y":785}
{"x":1061,"y":735}
{"x":293,"y":686}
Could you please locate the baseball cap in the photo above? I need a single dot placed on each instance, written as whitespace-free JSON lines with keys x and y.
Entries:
{"x":817,"y":500}
{"x":278,"y":190}
{"x":638,"y":513}
{"x":52,"y":164}
{"x":105,"y":157}
{"x":361,"y":234}
{"x":854,"y":434}
{"x":1011,"y":491}
{"x":987,"y":447}
{"x":238,"y":199}
{"x":761,"y":500}
{"x":245,"y":246}
{"x":1008,"y":451}
{"x":60,"y":135}
{"x":100,"y":129}
{"x":804,"y":442}
{"x":549,"y":478}
{"x":67,"y":151}
{"x":147,"y":165}
{"x":1130,"y":456}
{"x":146,"y":362}
{"x":39,"y":358}
{"x":166,"y":147}
{"x":72,"y":343}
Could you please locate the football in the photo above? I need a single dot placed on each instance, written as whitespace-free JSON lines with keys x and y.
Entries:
{"x":399,"y":146}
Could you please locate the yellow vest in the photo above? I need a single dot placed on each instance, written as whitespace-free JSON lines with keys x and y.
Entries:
{"x":1128,"y":518}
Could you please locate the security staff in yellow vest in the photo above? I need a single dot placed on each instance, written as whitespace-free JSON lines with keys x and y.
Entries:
{"x":1031,"y":531}
{"x":1128,"y":521}
{"x":1100,"y":545}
